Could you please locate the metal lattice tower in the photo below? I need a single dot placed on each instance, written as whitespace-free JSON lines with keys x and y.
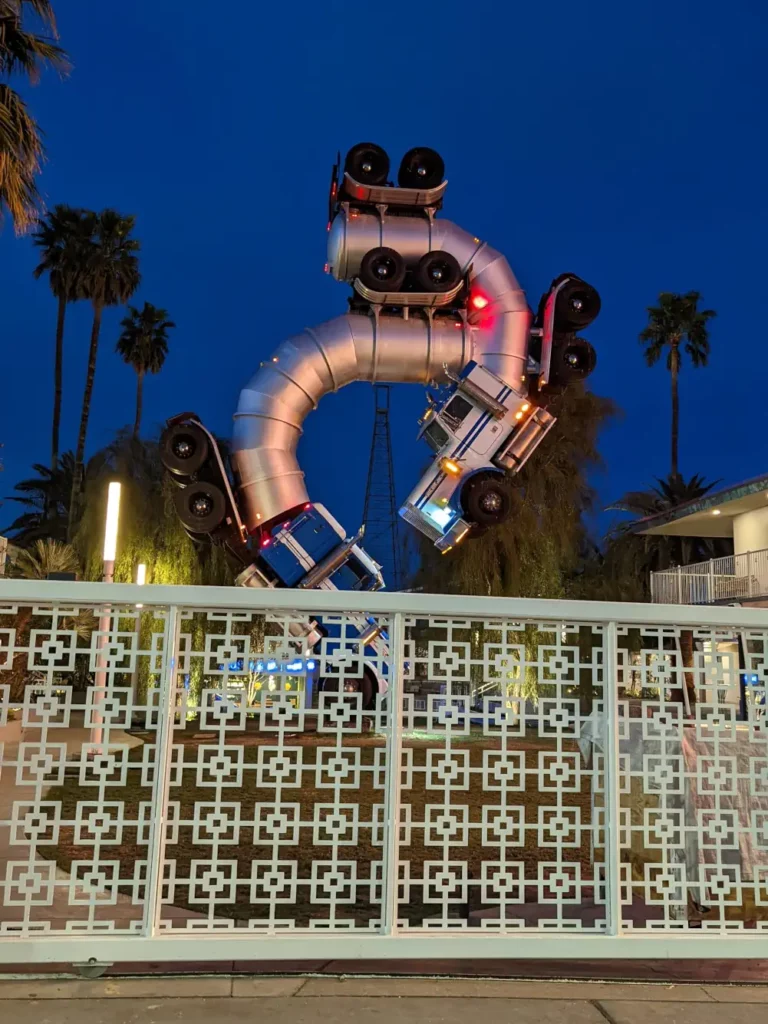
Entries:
{"x":380,"y":511}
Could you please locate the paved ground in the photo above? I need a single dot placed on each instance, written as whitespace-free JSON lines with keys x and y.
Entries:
{"x":301,"y":1000}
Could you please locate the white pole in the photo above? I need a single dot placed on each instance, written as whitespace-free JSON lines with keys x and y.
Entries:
{"x":141,"y":579}
{"x":110,"y":550}
{"x":612,"y":781}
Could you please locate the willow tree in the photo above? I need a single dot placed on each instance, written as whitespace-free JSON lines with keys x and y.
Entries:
{"x":149,"y":533}
{"x":536,"y":551}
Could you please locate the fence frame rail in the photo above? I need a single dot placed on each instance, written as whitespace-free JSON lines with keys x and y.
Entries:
{"x":388,"y":943}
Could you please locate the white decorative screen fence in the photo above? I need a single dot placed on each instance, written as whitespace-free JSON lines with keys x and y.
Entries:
{"x":181,"y":779}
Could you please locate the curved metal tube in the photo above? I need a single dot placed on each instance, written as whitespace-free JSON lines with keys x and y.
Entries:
{"x":500,"y":340}
{"x":273,"y":406}
{"x":357,"y":347}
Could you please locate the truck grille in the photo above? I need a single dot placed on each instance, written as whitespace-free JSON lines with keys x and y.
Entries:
{"x":410,"y":515}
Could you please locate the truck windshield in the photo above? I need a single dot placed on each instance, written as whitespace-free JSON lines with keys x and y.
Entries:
{"x":457,"y":409}
{"x":436,"y":436}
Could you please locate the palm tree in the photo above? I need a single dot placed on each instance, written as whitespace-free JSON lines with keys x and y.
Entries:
{"x":21,"y":148}
{"x":630,"y":558}
{"x":46,"y":557}
{"x":662,"y":552}
{"x":144,"y":346}
{"x":110,"y":277}
{"x":63,"y":237}
{"x":675,"y":320}
{"x":45,"y":499}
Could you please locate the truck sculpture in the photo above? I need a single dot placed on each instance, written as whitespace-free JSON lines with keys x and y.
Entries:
{"x":430,"y":304}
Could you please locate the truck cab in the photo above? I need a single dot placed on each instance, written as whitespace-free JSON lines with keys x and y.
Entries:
{"x":483,"y":431}
{"x":311,"y":551}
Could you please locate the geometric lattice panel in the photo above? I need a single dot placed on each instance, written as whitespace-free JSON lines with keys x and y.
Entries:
{"x":694,"y":778}
{"x":497,"y":824}
{"x":73,"y":681}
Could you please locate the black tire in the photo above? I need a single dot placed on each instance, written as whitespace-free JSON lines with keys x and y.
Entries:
{"x":421,"y":168}
{"x":366,"y":685}
{"x":184,"y":449}
{"x":367,"y":163}
{"x":486,"y":499}
{"x":382,"y":270}
{"x":576,"y":306}
{"x":573,"y":359}
{"x":201,"y":507}
{"x":476,"y":532}
{"x":437,"y":272}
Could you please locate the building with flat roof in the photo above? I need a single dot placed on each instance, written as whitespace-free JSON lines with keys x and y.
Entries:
{"x":740,"y":513}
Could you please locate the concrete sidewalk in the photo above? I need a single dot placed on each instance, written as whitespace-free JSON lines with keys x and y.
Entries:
{"x":302,"y":1000}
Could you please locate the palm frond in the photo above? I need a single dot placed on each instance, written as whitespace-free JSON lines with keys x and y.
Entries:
{"x":21,"y":155}
{"x":46,"y":557}
{"x":111,"y":272}
{"x":27,"y":52}
{"x":143,"y":343}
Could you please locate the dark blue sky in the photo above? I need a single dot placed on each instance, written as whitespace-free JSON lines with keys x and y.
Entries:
{"x":623,"y":141}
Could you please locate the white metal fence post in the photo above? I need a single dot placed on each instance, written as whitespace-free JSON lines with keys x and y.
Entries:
{"x":611,"y":776}
{"x":163,"y":762}
{"x":390,"y":867}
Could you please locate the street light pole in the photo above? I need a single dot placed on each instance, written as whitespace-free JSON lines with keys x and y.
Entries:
{"x":110,"y":550}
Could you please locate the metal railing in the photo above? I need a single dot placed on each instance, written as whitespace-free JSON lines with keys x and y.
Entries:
{"x":732,"y":578}
{"x":535,"y":778}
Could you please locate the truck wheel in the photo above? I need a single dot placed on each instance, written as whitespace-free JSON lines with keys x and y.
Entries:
{"x":367,"y":686}
{"x":201,"y":507}
{"x":572,"y":360}
{"x":576,"y":306}
{"x":437,"y":272}
{"x":184,"y":448}
{"x":367,"y":163}
{"x":421,"y":168}
{"x":486,"y":499}
{"x":382,"y":270}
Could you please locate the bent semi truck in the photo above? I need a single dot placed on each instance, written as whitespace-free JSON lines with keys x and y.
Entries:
{"x":430,"y":304}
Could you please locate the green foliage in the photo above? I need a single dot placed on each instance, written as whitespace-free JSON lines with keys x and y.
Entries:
{"x":64,"y":237}
{"x":45,"y":498}
{"x":535,"y":552}
{"x":111,"y":266}
{"x":27,"y":53}
{"x":45,"y":557}
{"x":23,"y":52}
{"x":677,"y":318}
{"x":110,"y":276}
{"x":622,"y":571}
{"x":149,"y":531}
{"x":143,"y":345}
